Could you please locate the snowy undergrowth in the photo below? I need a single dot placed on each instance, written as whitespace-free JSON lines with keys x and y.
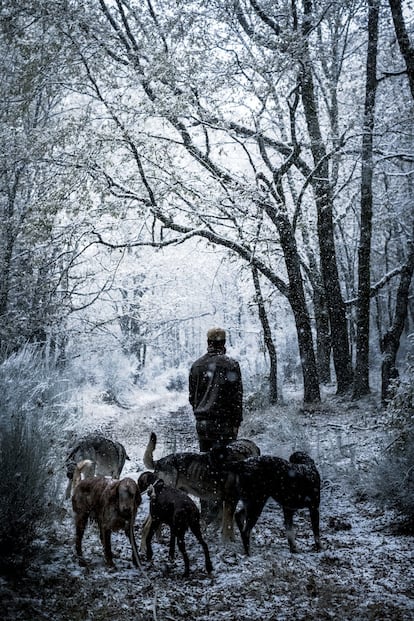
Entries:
{"x":391,"y":483}
{"x":30,"y":425}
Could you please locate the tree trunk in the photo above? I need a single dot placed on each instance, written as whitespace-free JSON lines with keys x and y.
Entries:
{"x":407,"y":50}
{"x":296,"y":297}
{"x":390,"y":342}
{"x":361,"y":379}
{"x":267,"y":335}
{"x":323,"y":196}
{"x":323,"y":337}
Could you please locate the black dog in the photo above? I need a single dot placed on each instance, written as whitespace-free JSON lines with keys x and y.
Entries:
{"x":195,"y":473}
{"x":172,"y":507}
{"x":294,"y":484}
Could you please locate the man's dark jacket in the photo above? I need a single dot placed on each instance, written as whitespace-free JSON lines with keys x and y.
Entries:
{"x":216,"y":389}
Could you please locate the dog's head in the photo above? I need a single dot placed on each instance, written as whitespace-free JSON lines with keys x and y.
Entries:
{"x":300,"y":457}
{"x":129,"y":497}
{"x":145,"y":480}
{"x":305,"y":465}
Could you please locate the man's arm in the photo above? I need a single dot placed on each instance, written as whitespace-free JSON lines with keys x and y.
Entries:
{"x":191,"y":387}
{"x":237,"y":395}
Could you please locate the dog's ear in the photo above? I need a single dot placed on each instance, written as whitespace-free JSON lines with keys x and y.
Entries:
{"x":141,"y":482}
{"x":128,"y":495}
{"x":112,"y":491}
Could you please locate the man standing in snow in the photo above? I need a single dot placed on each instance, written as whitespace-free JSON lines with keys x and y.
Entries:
{"x":216,"y":393}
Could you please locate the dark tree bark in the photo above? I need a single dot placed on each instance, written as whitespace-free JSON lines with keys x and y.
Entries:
{"x":406,"y":47}
{"x":323,"y":336}
{"x":324,"y":202}
{"x":267,"y":336}
{"x":361,"y":378}
{"x":390,"y":341}
{"x":296,"y":294}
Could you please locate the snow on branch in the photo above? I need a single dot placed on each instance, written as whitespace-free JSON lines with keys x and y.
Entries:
{"x":379,"y":285}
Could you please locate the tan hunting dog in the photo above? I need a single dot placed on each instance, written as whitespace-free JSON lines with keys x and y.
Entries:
{"x":112,"y":503}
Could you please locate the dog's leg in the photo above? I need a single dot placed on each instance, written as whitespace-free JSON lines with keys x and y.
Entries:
{"x":144,"y":533}
{"x":68,"y":491}
{"x":145,"y":530}
{"x":290,"y":533}
{"x":240,"y":518}
{"x":172,"y":543}
{"x":153,"y":527}
{"x":129,"y":531}
{"x":195,"y":528}
{"x":81,"y":521}
{"x":227,"y":530}
{"x":314,"y":516}
{"x":106,"y":542}
{"x":246,"y":520}
{"x":181,"y":547}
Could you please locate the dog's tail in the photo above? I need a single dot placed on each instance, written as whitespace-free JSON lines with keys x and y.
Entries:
{"x":86,"y":467}
{"x":149,"y":452}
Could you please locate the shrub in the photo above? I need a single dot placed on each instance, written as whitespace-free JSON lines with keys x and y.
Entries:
{"x":393,"y":477}
{"x":29,"y":424}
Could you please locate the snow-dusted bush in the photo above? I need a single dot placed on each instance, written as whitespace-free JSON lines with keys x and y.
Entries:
{"x":256,"y":389}
{"x":394,"y":475}
{"x":110,"y":372}
{"x":29,"y":428}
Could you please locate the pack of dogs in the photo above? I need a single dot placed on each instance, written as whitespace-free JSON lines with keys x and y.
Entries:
{"x":235,"y":475}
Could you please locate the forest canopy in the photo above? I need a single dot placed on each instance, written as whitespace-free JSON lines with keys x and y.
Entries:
{"x":167,"y":165}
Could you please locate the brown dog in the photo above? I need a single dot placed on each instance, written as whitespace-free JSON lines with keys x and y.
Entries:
{"x":113,"y":504}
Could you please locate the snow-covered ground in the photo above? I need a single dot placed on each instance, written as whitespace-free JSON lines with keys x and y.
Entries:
{"x":365,"y":571}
